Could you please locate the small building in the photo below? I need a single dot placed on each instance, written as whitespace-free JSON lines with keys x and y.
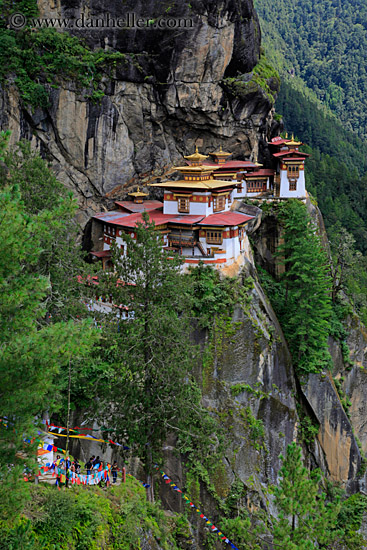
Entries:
{"x":289,"y":180}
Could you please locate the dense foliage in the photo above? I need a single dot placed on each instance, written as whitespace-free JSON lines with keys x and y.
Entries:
{"x":42,"y":58}
{"x":305,"y":519}
{"x":302,"y":297}
{"x":150,"y":355}
{"x":323,"y":43}
{"x":81,"y":519}
{"x":318,"y":49}
{"x":336,"y":170}
{"x":33,"y":347}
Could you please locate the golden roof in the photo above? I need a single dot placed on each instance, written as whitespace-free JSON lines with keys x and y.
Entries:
{"x":138,"y":194}
{"x":206,"y":185}
{"x":196,"y":157}
{"x":294,"y":143}
{"x":220,"y":153}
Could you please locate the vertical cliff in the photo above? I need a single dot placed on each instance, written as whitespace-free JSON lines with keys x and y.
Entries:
{"x":165,"y":96}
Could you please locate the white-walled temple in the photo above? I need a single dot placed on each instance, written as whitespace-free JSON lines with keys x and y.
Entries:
{"x":198,"y":218}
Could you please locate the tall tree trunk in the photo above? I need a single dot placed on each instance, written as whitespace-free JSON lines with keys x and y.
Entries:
{"x":68,"y":414}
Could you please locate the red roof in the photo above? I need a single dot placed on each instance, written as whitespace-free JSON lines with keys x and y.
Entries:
{"x":266,"y":172}
{"x":131,"y":221}
{"x":101,"y":253}
{"x":139,"y":207}
{"x":290,"y":153}
{"x":226,"y":219}
{"x":186,"y":219}
{"x":278,"y":141}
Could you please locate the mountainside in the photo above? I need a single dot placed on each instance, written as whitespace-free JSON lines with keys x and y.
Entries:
{"x":317,"y":49}
{"x":109,"y":119}
{"x":323,"y":44}
{"x":116,"y":110}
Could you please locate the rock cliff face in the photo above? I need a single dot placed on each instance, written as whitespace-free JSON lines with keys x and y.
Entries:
{"x":164,"y":100}
{"x":335,"y":450}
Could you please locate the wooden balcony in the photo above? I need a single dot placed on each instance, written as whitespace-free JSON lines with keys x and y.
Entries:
{"x":181,"y":240}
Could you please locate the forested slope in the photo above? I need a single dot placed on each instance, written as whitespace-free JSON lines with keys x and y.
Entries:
{"x":318,"y":48}
{"x":323,"y":42}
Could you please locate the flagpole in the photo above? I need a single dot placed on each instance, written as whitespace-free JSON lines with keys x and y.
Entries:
{"x":68,"y":417}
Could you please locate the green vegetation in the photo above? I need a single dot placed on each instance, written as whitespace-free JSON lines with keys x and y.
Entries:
{"x":308,"y":427}
{"x":34,"y":347}
{"x":321,"y":45}
{"x":318,"y":48}
{"x":305,"y":518}
{"x":301,"y":298}
{"x":262,"y":78}
{"x":52,"y":209}
{"x":41,"y":59}
{"x":151,"y":390}
{"x":350,"y":519}
{"x":89,"y":519}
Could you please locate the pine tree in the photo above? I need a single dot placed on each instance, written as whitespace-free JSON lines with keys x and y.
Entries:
{"x":306,"y":307}
{"x":153,"y":392}
{"x":53,"y":209}
{"x":30,"y":353}
{"x":305,"y":519}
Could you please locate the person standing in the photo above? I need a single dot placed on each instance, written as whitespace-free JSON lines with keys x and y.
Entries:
{"x":67,"y":471}
{"x":114,"y":471}
{"x":89,"y":466}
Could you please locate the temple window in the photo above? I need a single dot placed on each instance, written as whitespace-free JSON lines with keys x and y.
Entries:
{"x":219,"y":203}
{"x":292,"y":186}
{"x":255,"y":186}
{"x":293,"y":171}
{"x":183,"y":204}
{"x":214,"y":237}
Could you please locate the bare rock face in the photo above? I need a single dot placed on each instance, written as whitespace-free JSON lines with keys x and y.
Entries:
{"x":165,"y":100}
{"x":336,"y":435}
{"x":249,"y":385}
{"x":350,"y":369}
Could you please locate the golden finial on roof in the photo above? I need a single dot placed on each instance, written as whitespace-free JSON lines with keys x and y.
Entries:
{"x":292,"y":136}
{"x":196,"y":159}
{"x":286,"y":135}
{"x":138,"y":195}
{"x":220,"y":156}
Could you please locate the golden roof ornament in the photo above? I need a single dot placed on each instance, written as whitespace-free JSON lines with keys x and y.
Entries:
{"x":293,"y":142}
{"x":138,"y":195}
{"x":196,"y":159}
{"x":220,"y":153}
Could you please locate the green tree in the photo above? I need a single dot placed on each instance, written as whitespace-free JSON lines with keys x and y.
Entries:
{"x":152,"y":391}
{"x":305,"y":519}
{"x":306,"y":305}
{"x":30,"y":355}
{"x":52,"y":209}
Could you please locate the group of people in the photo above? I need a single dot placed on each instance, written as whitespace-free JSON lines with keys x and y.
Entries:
{"x":94,"y":464}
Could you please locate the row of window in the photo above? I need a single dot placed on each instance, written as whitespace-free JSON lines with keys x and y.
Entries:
{"x":109,"y":230}
{"x":183,"y":204}
{"x":255,"y":186}
{"x":293,"y":171}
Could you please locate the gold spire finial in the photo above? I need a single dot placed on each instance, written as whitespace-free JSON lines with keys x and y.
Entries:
{"x":292,"y":136}
{"x":196,"y":149}
{"x":220,"y":149}
{"x":286,"y":135}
